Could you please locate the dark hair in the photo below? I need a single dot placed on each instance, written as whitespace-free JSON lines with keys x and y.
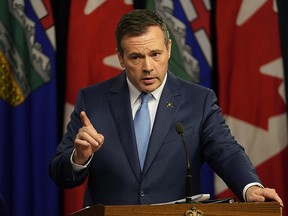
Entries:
{"x":136,"y":22}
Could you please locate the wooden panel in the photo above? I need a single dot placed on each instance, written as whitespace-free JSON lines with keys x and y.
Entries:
{"x":221,"y":209}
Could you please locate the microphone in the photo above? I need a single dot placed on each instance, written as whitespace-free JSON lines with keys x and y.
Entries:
{"x":188,"y":179}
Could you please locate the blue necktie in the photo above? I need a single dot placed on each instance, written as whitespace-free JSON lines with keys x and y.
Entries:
{"x":142,"y":127}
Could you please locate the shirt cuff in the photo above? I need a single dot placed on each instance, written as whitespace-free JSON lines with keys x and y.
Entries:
{"x":250,"y":185}
{"x":77,"y":167}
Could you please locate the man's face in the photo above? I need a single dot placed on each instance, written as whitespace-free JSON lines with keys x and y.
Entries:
{"x":145,"y":59}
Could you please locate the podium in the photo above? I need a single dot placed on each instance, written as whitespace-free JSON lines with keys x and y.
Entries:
{"x":225,"y":209}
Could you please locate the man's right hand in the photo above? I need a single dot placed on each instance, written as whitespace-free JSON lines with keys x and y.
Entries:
{"x":87,"y":141}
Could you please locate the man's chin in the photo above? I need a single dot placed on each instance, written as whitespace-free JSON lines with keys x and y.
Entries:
{"x":150,"y":88}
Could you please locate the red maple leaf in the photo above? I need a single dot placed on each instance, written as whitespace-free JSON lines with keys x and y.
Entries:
{"x":91,"y":39}
{"x":245,"y":93}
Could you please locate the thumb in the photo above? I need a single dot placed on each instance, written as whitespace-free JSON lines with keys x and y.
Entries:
{"x":256,"y":198}
{"x":85,"y":120}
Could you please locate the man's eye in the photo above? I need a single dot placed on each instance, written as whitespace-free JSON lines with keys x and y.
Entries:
{"x":135,"y":57}
{"x":156,"y":55}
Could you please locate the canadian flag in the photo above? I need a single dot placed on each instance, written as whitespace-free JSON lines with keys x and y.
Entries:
{"x":251,"y":87}
{"x":91,"y":58}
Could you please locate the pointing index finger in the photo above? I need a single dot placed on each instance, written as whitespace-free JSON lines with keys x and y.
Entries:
{"x":85,"y":120}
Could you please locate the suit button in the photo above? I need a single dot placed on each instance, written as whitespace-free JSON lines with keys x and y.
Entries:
{"x":142,"y":194}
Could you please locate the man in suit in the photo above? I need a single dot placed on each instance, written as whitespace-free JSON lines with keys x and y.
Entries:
{"x":106,"y":111}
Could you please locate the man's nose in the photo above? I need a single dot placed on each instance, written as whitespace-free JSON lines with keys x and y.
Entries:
{"x":147,"y":65}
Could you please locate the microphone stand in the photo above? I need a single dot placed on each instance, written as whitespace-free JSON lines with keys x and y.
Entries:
{"x":188,"y":178}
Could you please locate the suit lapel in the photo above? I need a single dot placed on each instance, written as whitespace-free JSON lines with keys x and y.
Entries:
{"x":120,"y":107}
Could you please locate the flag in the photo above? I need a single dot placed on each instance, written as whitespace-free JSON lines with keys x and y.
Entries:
{"x":251,"y":87}
{"x":191,"y":56}
{"x":91,"y":58}
{"x":28,"y":108}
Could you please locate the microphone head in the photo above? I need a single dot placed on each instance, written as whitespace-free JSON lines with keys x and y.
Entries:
{"x":179,"y":128}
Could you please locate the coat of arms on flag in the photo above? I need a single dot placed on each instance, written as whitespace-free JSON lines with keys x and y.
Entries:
{"x":26,"y":49}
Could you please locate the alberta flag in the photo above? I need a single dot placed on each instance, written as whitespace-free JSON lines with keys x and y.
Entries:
{"x":189,"y":27}
{"x":28,"y":126}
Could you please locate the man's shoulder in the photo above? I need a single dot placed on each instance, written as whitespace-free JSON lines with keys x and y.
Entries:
{"x":185,"y":85}
{"x":104,"y":85}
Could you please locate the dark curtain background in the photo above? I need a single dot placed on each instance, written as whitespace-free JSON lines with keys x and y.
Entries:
{"x":283,"y":21}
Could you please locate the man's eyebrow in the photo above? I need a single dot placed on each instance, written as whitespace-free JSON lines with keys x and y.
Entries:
{"x":135,"y":54}
{"x":141,"y":55}
{"x":156,"y":50}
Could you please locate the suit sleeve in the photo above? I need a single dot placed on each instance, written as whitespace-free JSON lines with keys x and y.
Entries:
{"x":60,"y":168}
{"x":222,"y":152}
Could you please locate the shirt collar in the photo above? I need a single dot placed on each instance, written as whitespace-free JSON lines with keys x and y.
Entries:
{"x":134,"y":92}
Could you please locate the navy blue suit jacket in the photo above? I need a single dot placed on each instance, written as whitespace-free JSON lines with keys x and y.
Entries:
{"x":114,"y":172}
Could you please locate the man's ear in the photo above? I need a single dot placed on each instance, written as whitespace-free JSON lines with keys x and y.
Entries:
{"x":169,"y":47}
{"x":120,"y":59}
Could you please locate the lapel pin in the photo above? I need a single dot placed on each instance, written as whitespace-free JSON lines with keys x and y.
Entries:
{"x":169,"y":104}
